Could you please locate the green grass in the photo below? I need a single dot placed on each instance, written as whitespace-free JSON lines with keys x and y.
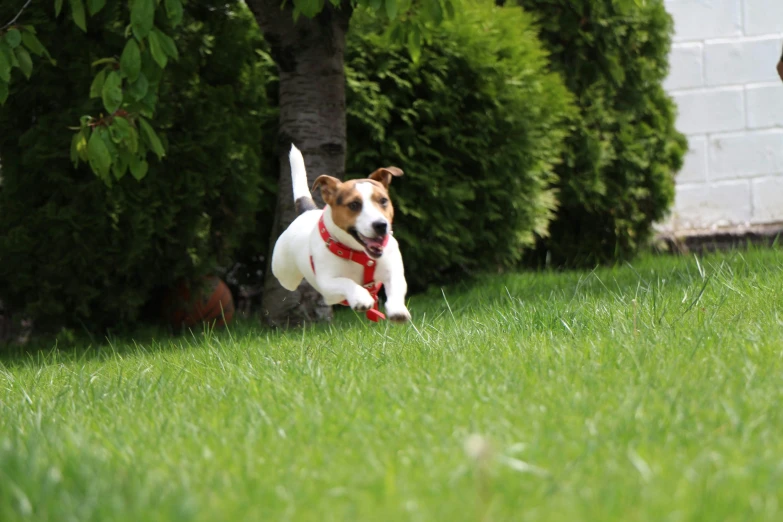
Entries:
{"x":590,"y":407}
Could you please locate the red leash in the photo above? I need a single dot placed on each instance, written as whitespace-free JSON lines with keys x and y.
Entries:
{"x":357,"y":256}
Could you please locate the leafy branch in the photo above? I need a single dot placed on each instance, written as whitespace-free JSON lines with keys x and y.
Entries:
{"x":120,"y":139}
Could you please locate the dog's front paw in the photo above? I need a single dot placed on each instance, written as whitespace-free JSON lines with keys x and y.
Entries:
{"x":397,"y":314}
{"x":361,"y":301}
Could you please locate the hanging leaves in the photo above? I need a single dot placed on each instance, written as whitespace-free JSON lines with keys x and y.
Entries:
{"x":5,"y":62}
{"x":138,"y":89}
{"x":25,"y":61}
{"x":138,"y":167}
{"x":156,"y":49}
{"x":77,"y":11}
{"x":174,"y":12}
{"x":166,"y":44}
{"x":96,"y":89}
{"x":142,"y":17}
{"x":111,"y":93}
{"x":151,"y":138}
{"x":13,"y":38}
{"x":99,"y":156}
{"x":94,"y":6}
{"x":120,"y":139}
{"x":130,"y":61}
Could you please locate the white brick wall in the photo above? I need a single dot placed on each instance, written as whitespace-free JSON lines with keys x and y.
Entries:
{"x":722,"y":77}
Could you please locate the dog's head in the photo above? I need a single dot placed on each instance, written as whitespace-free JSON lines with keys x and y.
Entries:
{"x":362,"y":207}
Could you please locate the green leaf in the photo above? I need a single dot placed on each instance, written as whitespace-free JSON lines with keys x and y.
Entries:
{"x":119,"y":129}
{"x":99,"y":155}
{"x":145,"y":110}
{"x":296,"y":14}
{"x":79,"y":146}
{"x":414,"y":43}
{"x":167,"y":44}
{"x":132,"y":141}
{"x":58,"y":7}
{"x":157,"y":49}
{"x":151,"y":139}
{"x":122,"y":123}
{"x":103,"y":61}
{"x":77,"y":11}
{"x":391,"y":9}
{"x":34,"y":45}
{"x":142,"y":17}
{"x":9,"y":55}
{"x":375,"y":5}
{"x":96,"y":89}
{"x":75,"y":148}
{"x":112,"y":92}
{"x":3,"y":92}
{"x":150,"y":100}
{"x":130,"y":61}
{"x":119,"y":168}
{"x":309,"y":8}
{"x":174,"y":10}
{"x":25,"y":62}
{"x":5,"y":63}
{"x":138,"y":167}
{"x":13,"y":37}
{"x":138,"y":89}
{"x":94,"y":6}
{"x":105,"y":135}
{"x":449,"y":6}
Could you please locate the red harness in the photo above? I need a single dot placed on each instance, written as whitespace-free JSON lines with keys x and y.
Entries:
{"x":357,"y":256}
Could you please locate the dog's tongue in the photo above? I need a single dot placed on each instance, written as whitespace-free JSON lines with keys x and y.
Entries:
{"x":375,"y":242}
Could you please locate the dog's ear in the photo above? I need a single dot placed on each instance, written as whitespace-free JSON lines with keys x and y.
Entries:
{"x":384,"y":175}
{"x":328,"y":186}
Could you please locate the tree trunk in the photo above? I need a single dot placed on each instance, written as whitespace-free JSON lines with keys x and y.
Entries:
{"x":310,"y":56}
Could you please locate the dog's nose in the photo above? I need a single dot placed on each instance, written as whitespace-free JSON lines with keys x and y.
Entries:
{"x":380,"y":227}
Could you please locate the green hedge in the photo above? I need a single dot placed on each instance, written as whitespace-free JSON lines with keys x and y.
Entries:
{"x":74,"y":252}
{"x":477,"y":125}
{"x":617,"y":174}
{"x":489,"y":137}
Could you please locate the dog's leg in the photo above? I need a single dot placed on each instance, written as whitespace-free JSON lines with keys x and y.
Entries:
{"x":287,"y":273}
{"x":396,"y":288}
{"x":337,"y":289}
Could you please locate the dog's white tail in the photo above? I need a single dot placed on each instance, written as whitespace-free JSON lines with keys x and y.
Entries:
{"x":298,"y":174}
{"x":303,"y":200}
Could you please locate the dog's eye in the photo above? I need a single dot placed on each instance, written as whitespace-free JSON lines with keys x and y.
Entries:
{"x":383,"y":202}
{"x":356,"y":206}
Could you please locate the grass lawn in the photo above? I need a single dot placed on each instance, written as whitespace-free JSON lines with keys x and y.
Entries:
{"x":651,"y":392}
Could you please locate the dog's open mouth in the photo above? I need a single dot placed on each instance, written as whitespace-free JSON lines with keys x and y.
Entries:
{"x":372,"y":245}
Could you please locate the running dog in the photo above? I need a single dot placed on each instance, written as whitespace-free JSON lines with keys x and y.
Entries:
{"x":346,"y":251}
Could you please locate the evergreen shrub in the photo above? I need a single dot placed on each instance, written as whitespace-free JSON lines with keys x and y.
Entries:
{"x":477,"y":123}
{"x":617,"y":174}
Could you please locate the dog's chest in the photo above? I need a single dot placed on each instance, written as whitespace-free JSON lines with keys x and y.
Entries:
{"x":325,"y":263}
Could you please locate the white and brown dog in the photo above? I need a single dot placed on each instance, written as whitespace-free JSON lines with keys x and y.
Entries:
{"x":345,"y":251}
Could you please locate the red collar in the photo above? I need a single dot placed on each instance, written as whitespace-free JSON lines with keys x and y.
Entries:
{"x":357,"y":256}
{"x":346,"y":252}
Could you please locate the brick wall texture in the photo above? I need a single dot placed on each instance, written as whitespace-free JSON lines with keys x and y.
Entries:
{"x":730,"y":100}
